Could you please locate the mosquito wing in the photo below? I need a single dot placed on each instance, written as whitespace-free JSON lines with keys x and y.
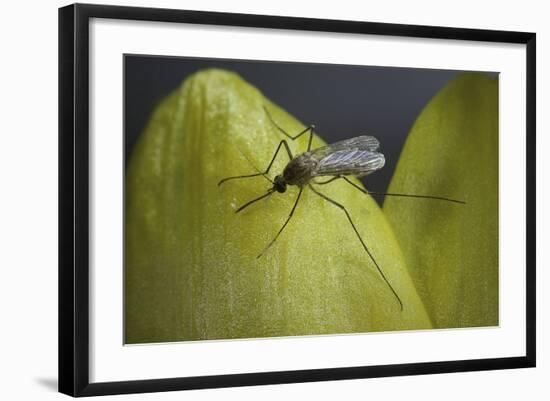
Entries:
{"x":364,"y":142}
{"x":356,"y":156}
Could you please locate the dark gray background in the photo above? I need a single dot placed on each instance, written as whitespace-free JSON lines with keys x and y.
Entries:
{"x":342,"y":101}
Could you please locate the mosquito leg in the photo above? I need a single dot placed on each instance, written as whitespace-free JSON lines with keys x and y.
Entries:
{"x":254,"y":200}
{"x":284,"y":225}
{"x":288,"y":151}
{"x":403,"y":195}
{"x":282,"y":143}
{"x":310,"y":129}
{"x":327,"y":181}
{"x":361,"y":240}
{"x":310,"y":140}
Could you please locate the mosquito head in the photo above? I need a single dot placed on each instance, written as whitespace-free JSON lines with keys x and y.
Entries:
{"x":279,"y":184}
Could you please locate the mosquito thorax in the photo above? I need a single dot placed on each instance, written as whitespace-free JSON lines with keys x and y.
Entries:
{"x":279,"y":184}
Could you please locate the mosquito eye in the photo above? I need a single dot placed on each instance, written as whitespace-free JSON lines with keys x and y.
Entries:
{"x":280,"y":187}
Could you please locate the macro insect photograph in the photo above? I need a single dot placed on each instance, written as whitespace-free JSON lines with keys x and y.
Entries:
{"x":274,"y":199}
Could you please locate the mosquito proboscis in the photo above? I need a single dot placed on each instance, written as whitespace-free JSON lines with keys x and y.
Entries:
{"x":357,"y":157}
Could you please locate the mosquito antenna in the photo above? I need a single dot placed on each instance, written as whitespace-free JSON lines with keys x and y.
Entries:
{"x":253,"y":165}
{"x":259,"y":173}
{"x":404,"y":195}
{"x":269,"y":192}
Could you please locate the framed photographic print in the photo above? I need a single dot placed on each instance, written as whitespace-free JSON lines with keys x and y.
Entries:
{"x":250,"y":199}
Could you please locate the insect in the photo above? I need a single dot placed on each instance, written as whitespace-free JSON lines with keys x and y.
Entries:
{"x":357,"y":157}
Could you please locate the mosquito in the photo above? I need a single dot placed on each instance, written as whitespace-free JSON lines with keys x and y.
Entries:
{"x":356,"y":157}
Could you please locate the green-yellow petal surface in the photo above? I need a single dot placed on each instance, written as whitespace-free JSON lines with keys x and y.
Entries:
{"x":191,"y":266}
{"x":452,"y":249}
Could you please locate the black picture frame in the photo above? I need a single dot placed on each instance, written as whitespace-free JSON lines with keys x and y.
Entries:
{"x":74,"y":191}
